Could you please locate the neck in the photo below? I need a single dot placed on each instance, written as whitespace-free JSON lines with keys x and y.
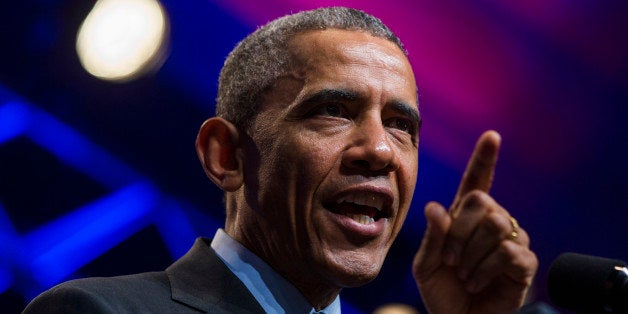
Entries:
{"x":319,"y":297}
{"x":313,"y":286}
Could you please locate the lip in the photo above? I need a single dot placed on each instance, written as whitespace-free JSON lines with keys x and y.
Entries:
{"x":383,"y":192}
{"x":354,"y":229}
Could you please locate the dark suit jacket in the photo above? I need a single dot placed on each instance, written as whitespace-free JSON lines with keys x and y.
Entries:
{"x":199,"y":282}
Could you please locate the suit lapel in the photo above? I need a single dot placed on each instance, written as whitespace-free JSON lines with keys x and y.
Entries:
{"x":201,"y":280}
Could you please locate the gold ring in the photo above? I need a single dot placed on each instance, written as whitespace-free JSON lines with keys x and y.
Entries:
{"x":515,"y":228}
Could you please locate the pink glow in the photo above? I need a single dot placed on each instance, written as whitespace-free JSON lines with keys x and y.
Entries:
{"x":476,"y":73}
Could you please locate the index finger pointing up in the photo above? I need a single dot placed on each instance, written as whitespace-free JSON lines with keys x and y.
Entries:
{"x":481,"y":167}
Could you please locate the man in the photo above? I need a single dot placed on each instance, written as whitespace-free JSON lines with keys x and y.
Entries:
{"x":315,"y":144}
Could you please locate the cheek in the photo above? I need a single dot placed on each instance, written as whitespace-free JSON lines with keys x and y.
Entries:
{"x":295,"y":164}
{"x":408,"y":172}
{"x":307,"y":155}
{"x":406,"y":180}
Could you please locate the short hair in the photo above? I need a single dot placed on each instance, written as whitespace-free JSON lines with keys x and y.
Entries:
{"x":256,"y":62}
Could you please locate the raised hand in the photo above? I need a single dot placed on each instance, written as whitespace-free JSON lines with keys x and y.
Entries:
{"x":474,"y":258}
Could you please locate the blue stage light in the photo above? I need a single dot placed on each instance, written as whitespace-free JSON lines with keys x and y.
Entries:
{"x":13,"y":120}
{"x":77,"y":151}
{"x":174,"y":227}
{"x":66,"y":244}
{"x":55,"y":251}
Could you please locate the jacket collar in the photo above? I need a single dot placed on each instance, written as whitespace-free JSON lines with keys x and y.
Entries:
{"x":201,"y":280}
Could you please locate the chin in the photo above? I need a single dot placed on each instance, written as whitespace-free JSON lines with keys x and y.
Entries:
{"x":352,"y":269}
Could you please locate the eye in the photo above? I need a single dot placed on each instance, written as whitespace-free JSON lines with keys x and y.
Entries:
{"x":331,"y":110}
{"x":402,"y":124}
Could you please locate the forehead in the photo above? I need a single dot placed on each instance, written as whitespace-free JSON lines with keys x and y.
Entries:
{"x":353,"y":43}
{"x":335,"y":56}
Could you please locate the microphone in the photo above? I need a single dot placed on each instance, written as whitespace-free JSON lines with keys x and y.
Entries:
{"x":588,"y":284}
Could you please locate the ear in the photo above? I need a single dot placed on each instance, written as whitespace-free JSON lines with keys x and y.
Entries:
{"x":217,"y":144}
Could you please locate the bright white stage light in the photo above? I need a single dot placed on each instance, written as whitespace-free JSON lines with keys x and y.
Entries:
{"x":122,"y":39}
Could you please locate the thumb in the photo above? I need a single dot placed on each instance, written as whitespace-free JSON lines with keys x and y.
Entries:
{"x":430,"y":255}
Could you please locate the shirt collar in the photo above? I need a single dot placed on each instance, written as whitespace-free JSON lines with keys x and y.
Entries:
{"x":273,"y":292}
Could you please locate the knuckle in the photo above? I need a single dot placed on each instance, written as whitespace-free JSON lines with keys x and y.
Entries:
{"x":495,"y":224}
{"x":521,"y":259}
{"x":507,"y":249}
{"x":474,"y":199}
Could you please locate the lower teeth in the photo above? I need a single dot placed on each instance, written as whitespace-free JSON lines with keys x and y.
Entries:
{"x":363,"y":219}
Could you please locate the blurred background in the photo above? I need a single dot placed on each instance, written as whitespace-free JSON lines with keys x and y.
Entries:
{"x":99,"y":176}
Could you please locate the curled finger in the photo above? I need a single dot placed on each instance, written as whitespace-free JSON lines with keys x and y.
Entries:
{"x":512,"y":263}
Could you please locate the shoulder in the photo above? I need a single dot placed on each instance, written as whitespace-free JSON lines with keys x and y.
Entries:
{"x":105,"y":295}
{"x":198,"y":281}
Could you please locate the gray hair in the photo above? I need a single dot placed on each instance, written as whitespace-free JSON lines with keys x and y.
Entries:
{"x":256,"y":62}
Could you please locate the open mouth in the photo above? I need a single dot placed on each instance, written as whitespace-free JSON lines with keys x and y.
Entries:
{"x":363,"y":208}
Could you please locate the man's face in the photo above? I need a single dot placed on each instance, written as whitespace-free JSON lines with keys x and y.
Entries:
{"x":337,"y":142}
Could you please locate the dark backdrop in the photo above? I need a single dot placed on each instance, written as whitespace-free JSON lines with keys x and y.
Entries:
{"x":100,"y":178}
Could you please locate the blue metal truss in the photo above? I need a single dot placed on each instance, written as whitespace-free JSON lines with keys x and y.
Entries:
{"x":43,"y":257}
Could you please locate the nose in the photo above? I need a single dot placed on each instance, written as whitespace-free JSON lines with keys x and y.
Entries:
{"x":370,"y":148}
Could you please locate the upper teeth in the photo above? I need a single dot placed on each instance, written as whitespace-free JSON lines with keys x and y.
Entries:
{"x":363,"y":219}
{"x":364,"y":199}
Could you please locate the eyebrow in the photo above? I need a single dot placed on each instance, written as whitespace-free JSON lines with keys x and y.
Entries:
{"x":331,"y":94}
